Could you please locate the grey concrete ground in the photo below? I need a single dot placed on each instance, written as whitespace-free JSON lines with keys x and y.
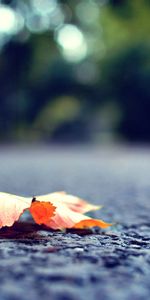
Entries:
{"x":111,"y":264}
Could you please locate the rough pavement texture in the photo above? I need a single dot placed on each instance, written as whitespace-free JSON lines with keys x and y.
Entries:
{"x":111,"y":264}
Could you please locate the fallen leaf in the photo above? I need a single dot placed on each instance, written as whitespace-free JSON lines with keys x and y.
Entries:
{"x":74,"y":203}
{"x":56,"y":210}
{"x":11,"y":208}
{"x":42,"y":211}
{"x":91,"y":223}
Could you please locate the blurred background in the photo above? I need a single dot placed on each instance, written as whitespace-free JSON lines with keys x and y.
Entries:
{"x":75,"y":71}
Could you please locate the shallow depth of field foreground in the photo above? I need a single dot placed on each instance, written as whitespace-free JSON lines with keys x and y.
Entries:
{"x":78,"y":264}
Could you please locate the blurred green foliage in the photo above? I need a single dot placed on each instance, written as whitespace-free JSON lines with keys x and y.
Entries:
{"x":74,"y":70}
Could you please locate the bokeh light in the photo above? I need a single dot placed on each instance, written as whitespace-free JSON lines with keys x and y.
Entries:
{"x":71,"y":66}
{"x":44,"y":7}
{"x":37,"y":24}
{"x":11,"y":22}
{"x":87,"y":12}
{"x":72,"y":42}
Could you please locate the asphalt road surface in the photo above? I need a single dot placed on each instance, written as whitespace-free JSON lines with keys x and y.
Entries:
{"x":78,"y":265}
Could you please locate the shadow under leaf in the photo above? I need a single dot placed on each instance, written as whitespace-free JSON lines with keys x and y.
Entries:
{"x":28,"y":230}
